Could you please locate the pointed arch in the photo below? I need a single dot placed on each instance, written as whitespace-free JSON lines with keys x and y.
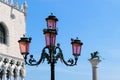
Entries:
{"x":3,"y":33}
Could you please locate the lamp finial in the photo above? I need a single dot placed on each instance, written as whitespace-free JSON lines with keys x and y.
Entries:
{"x":51,"y":13}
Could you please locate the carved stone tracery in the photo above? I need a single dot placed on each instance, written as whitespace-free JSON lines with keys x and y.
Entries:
{"x":11,"y":68}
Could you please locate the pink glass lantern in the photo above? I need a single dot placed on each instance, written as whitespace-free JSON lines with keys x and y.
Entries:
{"x":51,"y":21}
{"x":24,"y":44}
{"x":76,"y":47}
{"x":50,"y":36}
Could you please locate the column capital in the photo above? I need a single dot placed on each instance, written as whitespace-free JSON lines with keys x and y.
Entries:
{"x":94,"y":62}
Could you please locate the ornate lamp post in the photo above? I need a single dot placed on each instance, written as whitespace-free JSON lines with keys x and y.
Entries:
{"x":54,"y":52}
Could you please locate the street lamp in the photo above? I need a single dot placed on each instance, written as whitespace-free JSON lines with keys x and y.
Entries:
{"x":54,"y":52}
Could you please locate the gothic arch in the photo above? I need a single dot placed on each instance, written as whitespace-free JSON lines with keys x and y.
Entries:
{"x":5,"y":32}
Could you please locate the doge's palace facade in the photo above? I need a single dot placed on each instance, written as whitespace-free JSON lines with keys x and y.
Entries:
{"x":12,"y":27}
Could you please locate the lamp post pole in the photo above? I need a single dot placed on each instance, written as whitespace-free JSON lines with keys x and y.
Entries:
{"x":52,"y":71}
{"x":51,"y":52}
{"x":52,"y":65}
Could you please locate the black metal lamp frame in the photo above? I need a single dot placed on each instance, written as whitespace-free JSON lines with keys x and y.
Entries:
{"x":51,"y":53}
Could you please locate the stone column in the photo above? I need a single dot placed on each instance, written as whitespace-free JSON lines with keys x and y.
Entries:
{"x":10,"y":74}
{"x":4,"y":68}
{"x":94,"y":63}
{"x":1,"y":62}
{"x":22,"y":71}
{"x":17,"y":70}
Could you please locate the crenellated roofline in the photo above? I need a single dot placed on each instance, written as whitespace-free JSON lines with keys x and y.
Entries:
{"x":15,"y":5}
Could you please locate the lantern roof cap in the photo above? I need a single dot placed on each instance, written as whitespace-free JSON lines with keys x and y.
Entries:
{"x":76,"y":41}
{"x":53,"y":31}
{"x":25,"y":39}
{"x":52,"y":17}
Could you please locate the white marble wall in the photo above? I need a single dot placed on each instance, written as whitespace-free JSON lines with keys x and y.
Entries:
{"x":13,"y":18}
{"x":14,"y":22}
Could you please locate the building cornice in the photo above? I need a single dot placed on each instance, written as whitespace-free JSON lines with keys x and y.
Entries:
{"x":11,"y":58}
{"x":22,"y":8}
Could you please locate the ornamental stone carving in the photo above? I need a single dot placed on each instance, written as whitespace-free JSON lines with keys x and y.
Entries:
{"x":11,"y":68}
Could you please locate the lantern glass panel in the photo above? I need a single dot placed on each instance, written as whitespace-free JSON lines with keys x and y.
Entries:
{"x":53,"y":39}
{"x":47,"y":39}
{"x":76,"y":49}
{"x":51,"y":24}
{"x":24,"y":47}
{"x":50,"y":39}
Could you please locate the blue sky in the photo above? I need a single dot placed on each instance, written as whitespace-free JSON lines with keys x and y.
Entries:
{"x":95,"y":22}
